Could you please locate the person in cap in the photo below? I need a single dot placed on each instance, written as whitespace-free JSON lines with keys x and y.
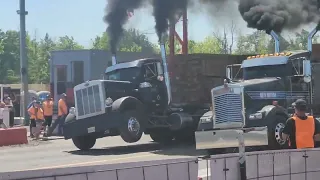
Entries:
{"x":47,"y":106}
{"x":62,"y":114}
{"x":9,"y":104}
{"x":301,"y":129}
{"x":34,"y":99}
{"x":36,"y":119}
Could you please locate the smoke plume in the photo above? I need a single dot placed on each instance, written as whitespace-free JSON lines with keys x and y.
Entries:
{"x":164,"y":11}
{"x":279,"y":14}
{"x":116,"y":16}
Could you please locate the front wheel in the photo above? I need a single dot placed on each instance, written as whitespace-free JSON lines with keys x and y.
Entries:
{"x":133,"y":126}
{"x":84,"y":142}
{"x":275,"y":129}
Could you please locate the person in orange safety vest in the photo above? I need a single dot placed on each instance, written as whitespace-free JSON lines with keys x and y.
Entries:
{"x":36,"y":119}
{"x":48,"y":112}
{"x":301,"y":129}
{"x":62,"y":114}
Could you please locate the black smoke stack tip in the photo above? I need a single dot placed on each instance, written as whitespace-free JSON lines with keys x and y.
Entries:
{"x":269,"y":31}
{"x":113,"y":59}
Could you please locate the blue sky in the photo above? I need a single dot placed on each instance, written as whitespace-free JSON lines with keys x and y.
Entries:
{"x":83,"y":20}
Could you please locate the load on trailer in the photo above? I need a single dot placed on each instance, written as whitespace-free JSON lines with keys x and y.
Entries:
{"x":260,"y":96}
{"x":140,"y":97}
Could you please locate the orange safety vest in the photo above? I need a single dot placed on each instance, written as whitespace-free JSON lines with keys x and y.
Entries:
{"x":36,"y":113}
{"x":304,"y":132}
{"x":62,"y":108}
{"x":48,"y":108}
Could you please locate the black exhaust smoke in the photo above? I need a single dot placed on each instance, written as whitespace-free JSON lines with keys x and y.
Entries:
{"x":277,"y":15}
{"x":164,"y":11}
{"x":116,"y":16}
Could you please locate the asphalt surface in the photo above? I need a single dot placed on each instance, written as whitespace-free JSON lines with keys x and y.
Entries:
{"x":59,"y":153}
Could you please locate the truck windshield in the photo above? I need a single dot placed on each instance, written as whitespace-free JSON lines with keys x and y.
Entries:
{"x":126,"y":74}
{"x":265,"y":71}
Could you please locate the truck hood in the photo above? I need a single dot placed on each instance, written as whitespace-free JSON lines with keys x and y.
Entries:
{"x":250,"y":82}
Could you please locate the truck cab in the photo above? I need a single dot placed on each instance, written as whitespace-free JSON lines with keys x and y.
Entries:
{"x":122,"y":103}
{"x":259,"y":94}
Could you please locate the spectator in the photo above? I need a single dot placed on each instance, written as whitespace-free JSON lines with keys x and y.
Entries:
{"x":62,"y":113}
{"x":9,"y":104}
{"x":2,"y":125}
{"x":34,"y":99}
{"x":48,"y":112}
{"x":36,"y":120}
{"x":301,"y":129}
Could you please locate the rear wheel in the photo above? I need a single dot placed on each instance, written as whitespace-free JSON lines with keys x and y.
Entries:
{"x":133,"y":126}
{"x":185,"y":136}
{"x":161,"y":136}
{"x":274,"y":133}
{"x":84,"y":142}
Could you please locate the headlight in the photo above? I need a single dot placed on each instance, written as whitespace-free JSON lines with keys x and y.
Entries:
{"x":108,"y":102}
{"x":207,"y":117}
{"x":256,"y":116}
{"x":72,"y":110}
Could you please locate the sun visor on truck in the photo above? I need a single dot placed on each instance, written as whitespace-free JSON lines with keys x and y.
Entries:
{"x":264,"y":61}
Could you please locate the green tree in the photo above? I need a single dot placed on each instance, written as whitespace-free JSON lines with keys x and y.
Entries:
{"x":39,"y":56}
{"x":255,"y":43}
{"x":131,"y":41}
{"x":68,"y":43}
{"x":10,"y":57}
{"x":209,"y":45}
{"x":300,"y":41}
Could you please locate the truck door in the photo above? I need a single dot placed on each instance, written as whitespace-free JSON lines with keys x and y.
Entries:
{"x":158,"y":90}
{"x":299,"y":89}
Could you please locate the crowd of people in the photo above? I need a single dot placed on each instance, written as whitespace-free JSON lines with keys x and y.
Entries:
{"x":41,"y":114}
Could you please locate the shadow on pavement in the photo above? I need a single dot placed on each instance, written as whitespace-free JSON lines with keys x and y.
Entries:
{"x":118,"y":150}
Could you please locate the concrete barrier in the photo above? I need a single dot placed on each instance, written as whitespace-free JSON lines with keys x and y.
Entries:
{"x":263,"y":165}
{"x":273,"y":165}
{"x":13,"y":136}
{"x":174,"y":169}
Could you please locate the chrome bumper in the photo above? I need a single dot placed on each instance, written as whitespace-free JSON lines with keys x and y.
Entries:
{"x":213,"y":139}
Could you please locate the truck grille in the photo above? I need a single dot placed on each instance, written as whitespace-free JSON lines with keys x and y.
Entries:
{"x":88,"y":100}
{"x":228,"y":108}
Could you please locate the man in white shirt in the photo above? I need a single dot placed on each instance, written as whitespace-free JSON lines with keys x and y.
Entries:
{"x":2,"y":125}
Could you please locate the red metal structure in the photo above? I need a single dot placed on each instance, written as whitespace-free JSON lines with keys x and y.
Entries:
{"x":174,"y":35}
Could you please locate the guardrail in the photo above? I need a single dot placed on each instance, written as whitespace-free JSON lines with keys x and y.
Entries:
{"x":175,"y":169}
{"x":263,"y":165}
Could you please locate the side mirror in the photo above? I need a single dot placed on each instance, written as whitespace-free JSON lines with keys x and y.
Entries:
{"x":307,"y":71}
{"x":228,"y":73}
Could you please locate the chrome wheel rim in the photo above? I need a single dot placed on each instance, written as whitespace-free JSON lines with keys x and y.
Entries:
{"x":278,"y":130}
{"x":133,"y":125}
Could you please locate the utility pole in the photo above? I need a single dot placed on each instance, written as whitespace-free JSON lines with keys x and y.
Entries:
{"x":23,"y":59}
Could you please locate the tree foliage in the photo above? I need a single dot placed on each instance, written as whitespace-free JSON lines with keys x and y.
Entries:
{"x":39,"y":50}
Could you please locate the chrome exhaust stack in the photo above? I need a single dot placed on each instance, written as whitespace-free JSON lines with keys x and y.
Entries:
{"x":114,"y":59}
{"x":165,"y":69}
{"x":276,"y":39}
{"x":311,"y":35}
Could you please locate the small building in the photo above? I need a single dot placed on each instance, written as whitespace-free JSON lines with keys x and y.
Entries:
{"x":71,"y":67}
